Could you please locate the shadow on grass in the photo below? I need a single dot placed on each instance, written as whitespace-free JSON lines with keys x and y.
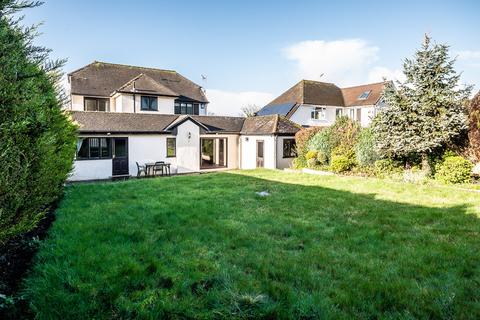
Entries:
{"x":209,"y":247}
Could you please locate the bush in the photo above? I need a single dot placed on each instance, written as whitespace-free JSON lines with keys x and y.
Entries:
{"x":312,"y":163}
{"x":312,"y":154}
{"x":386,"y":167}
{"x":341,"y":163}
{"x":322,"y":158}
{"x":454,"y":169}
{"x":37,"y":140}
{"x":301,"y":139}
{"x":322,"y":142}
{"x":343,"y":133}
{"x":365,"y":152}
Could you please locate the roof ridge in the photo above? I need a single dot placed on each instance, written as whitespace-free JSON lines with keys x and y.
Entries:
{"x":367,"y":84}
{"x":275,"y":126}
{"x":132,"y":66}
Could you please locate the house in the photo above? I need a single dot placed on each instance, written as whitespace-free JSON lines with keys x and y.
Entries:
{"x":314,"y":103}
{"x":158,"y":115}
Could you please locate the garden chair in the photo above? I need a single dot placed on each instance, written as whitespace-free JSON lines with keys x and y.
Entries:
{"x":158,"y":167}
{"x":141,"y":169}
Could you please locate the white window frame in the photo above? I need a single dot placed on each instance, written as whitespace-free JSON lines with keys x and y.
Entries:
{"x":337,"y":113}
{"x":318,"y":113}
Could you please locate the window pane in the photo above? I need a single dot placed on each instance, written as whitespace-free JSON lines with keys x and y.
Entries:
{"x":189,"y":108}
{"x":183,"y":108}
{"x":105,"y":147}
{"x":82,"y":148}
{"x":90,"y":105}
{"x":153,"y":104}
{"x":102,"y":105}
{"x":144,"y":103}
{"x":195,"y":109}
{"x":177,"y":108}
{"x":170,"y":147}
{"x":94,"y":148}
{"x":120,"y":147}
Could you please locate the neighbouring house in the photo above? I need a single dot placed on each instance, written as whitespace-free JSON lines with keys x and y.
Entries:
{"x":314,"y":103}
{"x":129,"y":115}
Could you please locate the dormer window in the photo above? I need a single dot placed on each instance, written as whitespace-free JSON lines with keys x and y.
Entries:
{"x":96,"y":104}
{"x":319,"y":113}
{"x":364,"y":95}
{"x":149,"y":103}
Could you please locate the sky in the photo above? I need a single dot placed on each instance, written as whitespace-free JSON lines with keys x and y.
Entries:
{"x":252,"y":51}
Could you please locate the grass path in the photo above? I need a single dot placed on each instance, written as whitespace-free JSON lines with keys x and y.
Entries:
{"x":207,"y":246}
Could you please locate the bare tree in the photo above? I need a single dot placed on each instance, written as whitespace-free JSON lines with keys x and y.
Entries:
{"x":250,"y":110}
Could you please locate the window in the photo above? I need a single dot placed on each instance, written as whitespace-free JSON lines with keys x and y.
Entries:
{"x":319,"y":113}
{"x":94,"y":148}
{"x":187,"y":108}
{"x":148,"y":103}
{"x":289,"y":148}
{"x":364,"y":95}
{"x":96,"y":104}
{"x":171,"y":147}
{"x":338,"y":112}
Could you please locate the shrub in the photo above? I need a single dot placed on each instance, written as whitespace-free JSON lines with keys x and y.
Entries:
{"x":312,"y":163}
{"x":311,"y":157}
{"x":37,"y":140}
{"x":365,"y":152}
{"x":341,"y":163}
{"x":454,"y":169}
{"x":322,"y":158}
{"x":386,"y":167}
{"x":301,"y":139}
{"x":343,"y":133}
{"x":312,"y":154}
{"x":322,"y":142}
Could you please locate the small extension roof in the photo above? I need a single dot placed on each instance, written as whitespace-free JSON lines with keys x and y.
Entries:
{"x":135,"y":123}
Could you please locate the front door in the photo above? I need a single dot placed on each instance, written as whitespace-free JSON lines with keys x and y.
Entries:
{"x":120,"y":157}
{"x":259,"y":153}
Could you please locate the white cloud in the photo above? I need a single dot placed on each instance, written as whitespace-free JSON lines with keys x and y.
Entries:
{"x":228,"y":103}
{"x":377,"y":74}
{"x":343,"y":62}
{"x":468,"y":55}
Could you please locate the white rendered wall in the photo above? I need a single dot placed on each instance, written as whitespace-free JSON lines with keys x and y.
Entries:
{"x":303,"y":117}
{"x":91,"y":170}
{"x":248,"y":144}
{"x":165,"y":104}
{"x":148,"y":148}
{"x":188,"y":147}
{"x":77,"y":102}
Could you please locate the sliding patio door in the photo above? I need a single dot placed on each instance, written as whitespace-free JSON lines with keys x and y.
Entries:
{"x":213,"y":153}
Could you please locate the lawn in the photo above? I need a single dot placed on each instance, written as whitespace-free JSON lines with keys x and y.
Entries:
{"x":206,"y":246}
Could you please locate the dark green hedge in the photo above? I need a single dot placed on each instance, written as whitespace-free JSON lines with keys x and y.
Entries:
{"x":37,"y":140}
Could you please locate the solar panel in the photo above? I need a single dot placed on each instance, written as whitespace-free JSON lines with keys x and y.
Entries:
{"x":281,"y":109}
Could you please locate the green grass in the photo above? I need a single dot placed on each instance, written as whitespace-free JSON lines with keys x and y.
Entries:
{"x":206,"y":246}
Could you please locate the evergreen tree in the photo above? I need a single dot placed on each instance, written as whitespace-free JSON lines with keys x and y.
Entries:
{"x":37,"y":140}
{"x":427,"y":111}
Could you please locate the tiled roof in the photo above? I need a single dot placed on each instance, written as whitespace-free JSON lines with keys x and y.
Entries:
{"x":144,"y":84}
{"x":117,"y":122}
{"x":103,"y":79}
{"x":322,"y":93}
{"x":270,"y":124}
{"x":113,"y":122}
{"x":351,"y":95}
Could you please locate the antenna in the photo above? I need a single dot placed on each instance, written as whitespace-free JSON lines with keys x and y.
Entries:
{"x":321,"y":76}
{"x":204,"y":82}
